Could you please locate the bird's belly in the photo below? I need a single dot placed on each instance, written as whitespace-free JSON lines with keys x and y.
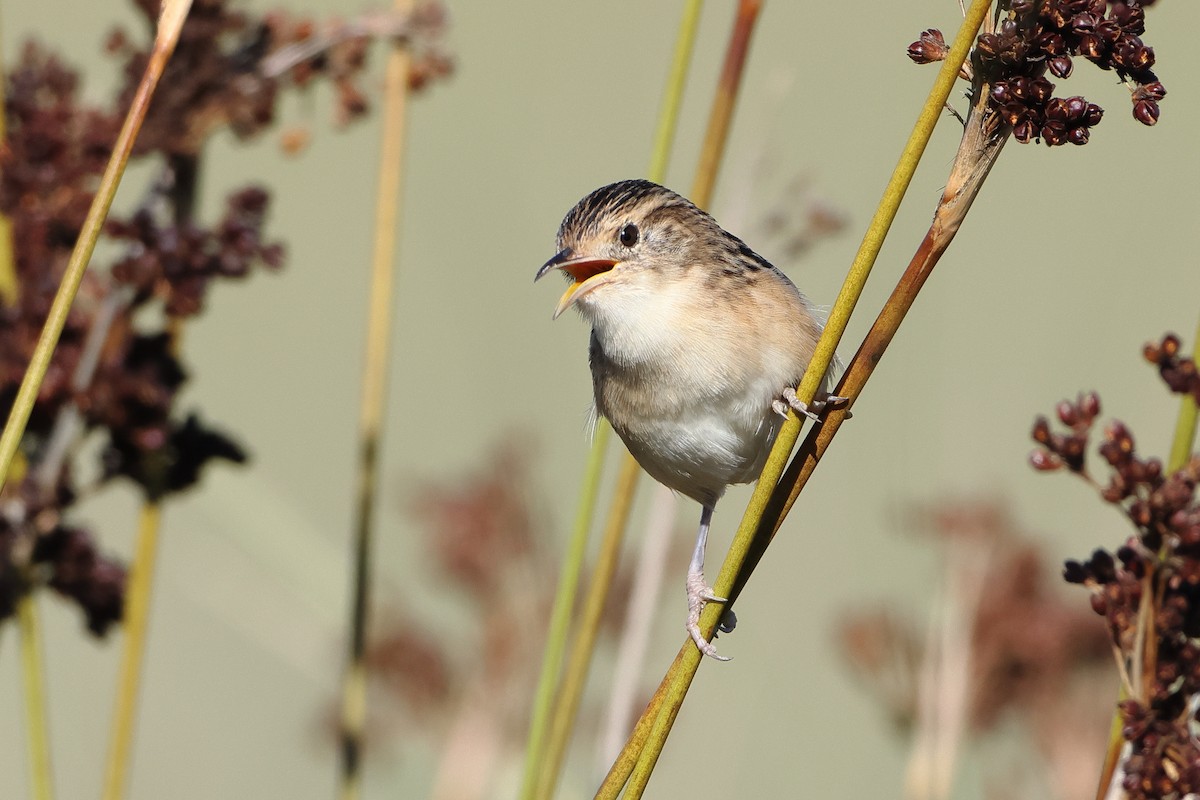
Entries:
{"x":699,"y":448}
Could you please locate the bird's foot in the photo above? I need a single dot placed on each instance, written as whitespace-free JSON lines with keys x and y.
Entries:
{"x":789,"y":400}
{"x":699,"y":593}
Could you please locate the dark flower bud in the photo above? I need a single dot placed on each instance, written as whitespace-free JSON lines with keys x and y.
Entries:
{"x":1043,"y":461}
{"x":1054,"y":133}
{"x":1102,"y":566}
{"x":1090,"y":405}
{"x":1152,"y":91}
{"x":1025,"y":131}
{"x":1078,"y":135}
{"x":1015,"y":113}
{"x":929,"y":47}
{"x":1084,"y":23}
{"x":1130,"y":53}
{"x":1067,"y":412}
{"x":1108,"y":30}
{"x":1146,"y":112}
{"x":1092,"y":46}
{"x":1051,"y":43}
{"x":1074,"y":572}
{"x":1040,"y":90}
{"x":1130,"y":17}
{"x":1061,"y":66}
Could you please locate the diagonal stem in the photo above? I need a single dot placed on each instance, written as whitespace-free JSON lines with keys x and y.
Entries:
{"x":674,"y":688}
{"x":171,"y":19}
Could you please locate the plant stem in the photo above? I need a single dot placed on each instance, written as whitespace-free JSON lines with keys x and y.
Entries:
{"x":33,"y":671}
{"x":136,"y":618}
{"x":170,"y":21}
{"x":638,"y":625}
{"x":675,"y":686}
{"x":572,"y":567}
{"x":374,"y":396}
{"x":721,"y":114}
{"x":580,"y":659}
{"x":560,"y":615}
{"x":668,"y":119}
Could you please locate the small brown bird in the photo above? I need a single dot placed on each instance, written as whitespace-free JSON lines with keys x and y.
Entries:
{"x":697,"y":344}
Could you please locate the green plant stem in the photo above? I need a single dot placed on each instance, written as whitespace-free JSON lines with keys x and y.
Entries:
{"x":33,"y":671}
{"x":572,"y":567}
{"x":374,"y":397}
{"x":170,"y":21}
{"x":668,"y":119}
{"x":136,"y":618}
{"x":687,"y":662}
{"x":976,"y":156}
{"x":560,"y":616}
{"x":580,"y":659}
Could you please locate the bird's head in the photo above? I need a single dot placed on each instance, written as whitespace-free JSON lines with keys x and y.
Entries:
{"x":625,"y":239}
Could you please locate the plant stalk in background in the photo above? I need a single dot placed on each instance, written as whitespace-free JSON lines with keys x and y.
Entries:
{"x":547,"y":700}
{"x":573,"y":683}
{"x":374,"y":395}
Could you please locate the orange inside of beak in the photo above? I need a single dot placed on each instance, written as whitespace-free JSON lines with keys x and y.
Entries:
{"x":589,"y":268}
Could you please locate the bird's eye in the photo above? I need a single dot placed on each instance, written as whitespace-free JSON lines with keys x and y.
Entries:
{"x":629,"y":235}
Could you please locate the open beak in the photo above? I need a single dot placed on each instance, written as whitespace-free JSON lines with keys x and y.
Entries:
{"x":587,"y":273}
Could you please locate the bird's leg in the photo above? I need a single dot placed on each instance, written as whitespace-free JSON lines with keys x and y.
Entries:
{"x":788,"y":399}
{"x":699,"y":592}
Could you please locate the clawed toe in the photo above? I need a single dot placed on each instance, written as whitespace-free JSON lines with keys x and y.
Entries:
{"x":706,"y":647}
{"x":699,"y":594}
{"x":812,"y":410}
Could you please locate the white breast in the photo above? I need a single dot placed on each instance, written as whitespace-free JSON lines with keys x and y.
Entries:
{"x":692,"y":403}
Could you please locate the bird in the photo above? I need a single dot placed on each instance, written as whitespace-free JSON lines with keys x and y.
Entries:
{"x":696,"y":348}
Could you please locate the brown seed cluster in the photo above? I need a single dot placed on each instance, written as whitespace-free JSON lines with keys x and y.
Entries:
{"x":68,"y":556}
{"x":1149,"y":590}
{"x":117,"y":372}
{"x":1047,"y":36}
{"x":229,"y":68}
{"x":1180,"y":374}
{"x":1025,"y":653}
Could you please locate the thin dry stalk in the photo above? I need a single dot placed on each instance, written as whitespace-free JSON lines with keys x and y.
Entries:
{"x":580,"y":658}
{"x":129,"y":676}
{"x":374,"y":395}
{"x":33,"y":671}
{"x":639,"y":618}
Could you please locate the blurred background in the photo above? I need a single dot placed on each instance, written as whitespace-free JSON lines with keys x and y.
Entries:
{"x":1070,"y":261}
